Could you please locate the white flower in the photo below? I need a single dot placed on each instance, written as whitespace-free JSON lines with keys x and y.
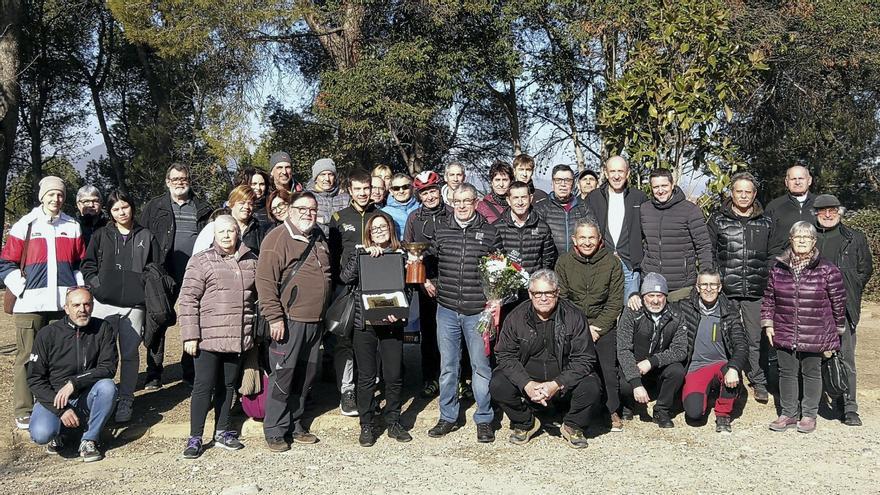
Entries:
{"x":494,"y":266}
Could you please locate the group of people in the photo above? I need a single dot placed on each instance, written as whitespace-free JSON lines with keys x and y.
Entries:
{"x":631,"y":299}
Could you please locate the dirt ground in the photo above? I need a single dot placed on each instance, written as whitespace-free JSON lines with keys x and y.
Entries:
{"x":146,"y":456}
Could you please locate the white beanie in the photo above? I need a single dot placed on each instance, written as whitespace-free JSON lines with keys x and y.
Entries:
{"x":50,"y":183}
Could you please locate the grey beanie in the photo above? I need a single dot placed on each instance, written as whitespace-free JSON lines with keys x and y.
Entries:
{"x":50,"y":183}
{"x":323,"y":165}
{"x":654,"y":282}
{"x":278,"y":157}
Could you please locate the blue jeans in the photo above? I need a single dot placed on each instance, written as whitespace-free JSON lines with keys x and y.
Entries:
{"x":451,"y":328}
{"x":96,"y":404}
{"x":631,"y":280}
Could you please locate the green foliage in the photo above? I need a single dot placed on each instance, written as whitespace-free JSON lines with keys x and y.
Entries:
{"x":678,"y":85}
{"x":868,"y":221}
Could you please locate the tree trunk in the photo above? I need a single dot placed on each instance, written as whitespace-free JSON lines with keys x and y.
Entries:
{"x":115,"y":162}
{"x":35,"y":131}
{"x":10,"y":37}
{"x":575,"y":137}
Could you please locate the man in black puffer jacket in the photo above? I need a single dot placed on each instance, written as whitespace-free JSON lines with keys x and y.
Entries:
{"x":527,"y":239}
{"x":562,"y":209}
{"x":717,"y":350}
{"x":741,"y":234}
{"x":459,"y":244}
{"x":676,"y":238}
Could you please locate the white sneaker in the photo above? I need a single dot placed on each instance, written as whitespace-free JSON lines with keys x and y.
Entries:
{"x":23,"y":422}
{"x":123,"y":411}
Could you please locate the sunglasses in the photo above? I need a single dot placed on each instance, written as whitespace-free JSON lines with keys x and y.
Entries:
{"x":400,"y":188}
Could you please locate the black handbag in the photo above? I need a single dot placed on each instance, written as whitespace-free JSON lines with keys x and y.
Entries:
{"x":261,"y":326}
{"x":835,"y":376}
{"x":339,"y":319}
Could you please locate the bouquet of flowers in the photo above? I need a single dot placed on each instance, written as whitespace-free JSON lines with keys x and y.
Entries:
{"x":502,"y":278}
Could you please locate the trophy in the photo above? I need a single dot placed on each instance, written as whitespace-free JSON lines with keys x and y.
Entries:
{"x":415,"y":271}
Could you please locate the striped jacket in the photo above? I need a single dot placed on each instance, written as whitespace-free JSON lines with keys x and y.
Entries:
{"x":52,"y":265}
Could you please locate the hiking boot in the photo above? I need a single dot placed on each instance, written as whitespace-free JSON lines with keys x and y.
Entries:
{"x":55,"y":446}
{"x":442,"y":428}
{"x":852,"y":419}
{"x":304,"y":437}
{"x":783,"y":423}
{"x":228,"y":440}
{"x":806,"y":425}
{"x":626,"y":414}
{"x":367,"y":437}
{"x":722,"y":424}
{"x":574,"y":437}
{"x":193,"y":448}
{"x":397,"y":432}
{"x":153,"y":384}
{"x":485,"y":433}
{"x":663,"y":420}
{"x":23,"y":422}
{"x":617,"y":422}
{"x":123,"y":411}
{"x":465,"y":391}
{"x":277,"y":444}
{"x":348,"y":404}
{"x":431,"y":389}
{"x":88,"y":451}
{"x":761,"y":394}
{"x":521,"y":436}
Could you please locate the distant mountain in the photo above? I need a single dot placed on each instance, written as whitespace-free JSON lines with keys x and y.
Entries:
{"x":94,"y":153}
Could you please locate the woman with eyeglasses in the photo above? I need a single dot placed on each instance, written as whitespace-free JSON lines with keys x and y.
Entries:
{"x":217,"y":305}
{"x":113,"y":267}
{"x":241,"y":206}
{"x":370,"y":339}
{"x":803,"y":315}
{"x":277,"y":207}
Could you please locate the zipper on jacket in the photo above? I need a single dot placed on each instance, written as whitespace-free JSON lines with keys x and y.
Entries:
{"x":461,"y":265}
{"x":78,"y":353}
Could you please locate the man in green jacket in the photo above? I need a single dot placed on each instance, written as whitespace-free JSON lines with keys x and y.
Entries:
{"x":591,"y":277}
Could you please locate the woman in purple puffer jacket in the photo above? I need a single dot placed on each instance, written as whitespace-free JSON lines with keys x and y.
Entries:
{"x":803,"y":315}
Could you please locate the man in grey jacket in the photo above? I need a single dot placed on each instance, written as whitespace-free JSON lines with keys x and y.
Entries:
{"x":652,"y":345}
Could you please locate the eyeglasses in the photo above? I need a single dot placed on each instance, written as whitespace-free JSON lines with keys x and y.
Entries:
{"x":549,"y":294}
{"x":563,"y":181}
{"x":279,"y":208}
{"x":404,"y":187}
{"x":460,"y":202}
{"x":709,"y":286}
{"x":304,"y":211}
{"x":802,"y":237}
{"x":379,"y":230}
{"x":89,"y":201}
{"x":178,"y":180}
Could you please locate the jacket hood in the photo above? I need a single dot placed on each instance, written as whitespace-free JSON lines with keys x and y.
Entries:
{"x":727,"y":210}
{"x":676,"y":197}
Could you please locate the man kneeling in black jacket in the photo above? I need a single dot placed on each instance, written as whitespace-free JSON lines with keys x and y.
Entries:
{"x":70,"y":372}
{"x":545,"y":353}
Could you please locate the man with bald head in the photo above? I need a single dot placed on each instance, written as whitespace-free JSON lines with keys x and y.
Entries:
{"x":70,"y":372}
{"x":617,"y":210}
{"x":794,"y":206}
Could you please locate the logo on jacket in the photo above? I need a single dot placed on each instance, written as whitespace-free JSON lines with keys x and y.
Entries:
{"x":141,"y":243}
{"x":479,"y":236}
{"x":348,"y":227}
{"x":33,"y":358}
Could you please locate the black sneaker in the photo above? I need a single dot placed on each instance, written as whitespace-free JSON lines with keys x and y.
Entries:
{"x":397,"y":432}
{"x":228,"y":440}
{"x":55,"y":446}
{"x":193,"y":448}
{"x":663,"y":420}
{"x":521,"y":436}
{"x":431,"y":389}
{"x":465,"y":391}
{"x":485,"y":433}
{"x":367,"y":438}
{"x":88,"y":451}
{"x":574,"y":437}
{"x":348,"y":404}
{"x":153,"y":384}
{"x":722,"y":424}
{"x":626,"y":414}
{"x":852,"y":419}
{"x":277,"y":444}
{"x":442,"y":428}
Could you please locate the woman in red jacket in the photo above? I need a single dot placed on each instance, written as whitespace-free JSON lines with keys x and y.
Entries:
{"x":803,"y":315}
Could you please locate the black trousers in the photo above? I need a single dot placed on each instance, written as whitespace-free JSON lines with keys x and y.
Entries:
{"x":294,"y":364}
{"x":386,"y":341}
{"x":580,"y":401}
{"x":216,"y":374}
{"x":661,"y":383}
{"x":428,"y":329}
{"x":156,"y":353}
{"x":606,"y":348}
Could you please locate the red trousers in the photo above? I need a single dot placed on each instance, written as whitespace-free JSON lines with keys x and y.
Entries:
{"x":698,"y":384}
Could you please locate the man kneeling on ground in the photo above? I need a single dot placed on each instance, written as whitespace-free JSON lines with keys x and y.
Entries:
{"x":545,"y":353}
{"x":70,"y":372}
{"x":651,"y":346}
{"x":718,"y":349}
